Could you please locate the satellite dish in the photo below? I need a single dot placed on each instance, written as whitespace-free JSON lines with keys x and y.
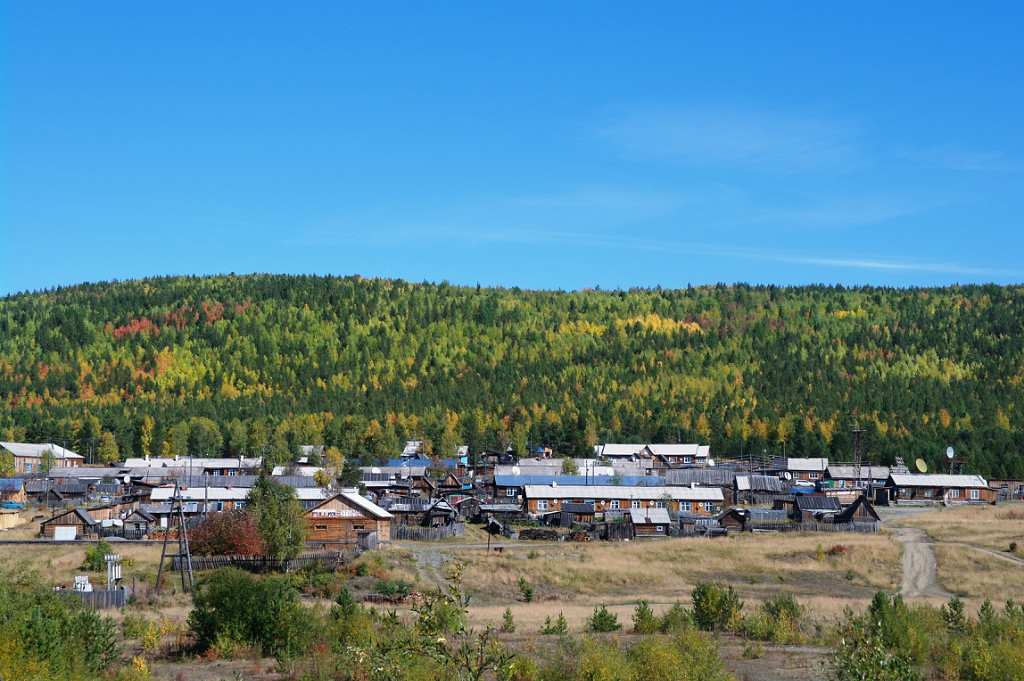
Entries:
{"x":711,"y":462}
{"x":921,"y":465}
{"x":375,"y":470}
{"x":787,"y":476}
{"x":515,"y":470}
{"x":127,"y":479}
{"x":949,"y":452}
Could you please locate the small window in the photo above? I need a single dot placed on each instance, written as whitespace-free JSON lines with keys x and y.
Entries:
{"x":636,"y":503}
{"x":687,"y":459}
{"x":659,"y":504}
{"x":542,"y":504}
{"x":321,"y":527}
{"x":660,"y":528}
{"x":813,"y":476}
{"x":614,"y":505}
{"x":28,"y":467}
{"x":510,"y":492}
{"x":974,"y":494}
{"x":953,"y":494}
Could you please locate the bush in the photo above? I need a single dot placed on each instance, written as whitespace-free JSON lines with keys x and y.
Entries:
{"x":232,"y":605}
{"x":394,"y":588}
{"x":560,"y":627}
{"x":526,"y":590}
{"x":716,"y":607}
{"x":644,"y":621}
{"x":675,"y":620}
{"x":94,"y":556}
{"x":508,"y":624}
{"x":603,"y":621}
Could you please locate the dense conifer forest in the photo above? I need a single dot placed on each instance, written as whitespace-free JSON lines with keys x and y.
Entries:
{"x":260,"y":364}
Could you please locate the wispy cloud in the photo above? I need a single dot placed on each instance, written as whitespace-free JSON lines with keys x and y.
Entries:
{"x":959,"y":158}
{"x":758,"y":140}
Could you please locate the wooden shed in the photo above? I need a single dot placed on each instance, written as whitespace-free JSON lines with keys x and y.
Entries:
{"x":85,"y":525}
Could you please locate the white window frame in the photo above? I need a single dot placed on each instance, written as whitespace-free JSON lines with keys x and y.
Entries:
{"x":659,"y":504}
{"x":954,"y":494}
{"x":813,"y":476}
{"x":975,"y":494}
{"x":636,"y":503}
{"x":510,"y":491}
{"x":614,"y":504}
{"x":542,"y":504}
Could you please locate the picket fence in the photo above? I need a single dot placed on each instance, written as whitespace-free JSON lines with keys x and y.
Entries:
{"x":417,"y":533}
{"x":105,"y":598}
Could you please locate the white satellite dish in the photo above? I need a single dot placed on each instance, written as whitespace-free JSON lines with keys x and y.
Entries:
{"x":787,"y":476}
{"x":127,"y":479}
{"x":375,"y":470}
{"x":949,"y":452}
{"x":711,"y":462}
{"x":515,"y":470}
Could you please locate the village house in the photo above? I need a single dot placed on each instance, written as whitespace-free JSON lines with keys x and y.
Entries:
{"x":674,"y":456}
{"x":649,"y":522}
{"x":347,"y":518}
{"x":12,"y":492}
{"x":510,"y":487}
{"x":749,"y":519}
{"x":698,"y":500}
{"x":794,"y":469}
{"x":936,"y":488}
{"x":33,"y":459}
{"x":843,"y":476}
{"x":722,"y":478}
{"x":758,"y":489}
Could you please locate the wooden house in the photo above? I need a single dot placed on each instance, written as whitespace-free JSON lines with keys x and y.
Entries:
{"x":84,"y":524}
{"x":860,"y":512}
{"x":749,"y":519}
{"x":649,"y":522}
{"x":347,"y":518}
{"x":139,"y":523}
{"x":12,"y":491}
{"x":938,"y":488}
{"x":545,"y":498}
{"x":722,"y":478}
{"x":796,"y":469}
{"x":32,"y":459}
{"x":677,"y":455}
{"x":813,"y":508}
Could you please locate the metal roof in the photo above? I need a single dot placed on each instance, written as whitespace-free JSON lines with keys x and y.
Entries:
{"x":701,"y":476}
{"x":807,"y":502}
{"x":26,"y":449}
{"x":623,"y":492}
{"x":797,"y":464}
{"x":649,"y":516}
{"x":623,"y":480}
{"x":758,"y":483}
{"x":937,"y":480}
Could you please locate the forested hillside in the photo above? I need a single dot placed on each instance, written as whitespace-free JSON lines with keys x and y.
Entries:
{"x":259,"y":364}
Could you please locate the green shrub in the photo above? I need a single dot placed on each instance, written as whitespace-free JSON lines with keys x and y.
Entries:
{"x":134,"y":625}
{"x":603,"y":621}
{"x":266,"y":613}
{"x":644,"y":621}
{"x":559,"y":628}
{"x":526,"y":590}
{"x":94,"y":556}
{"x":675,"y":620}
{"x":393,"y":588}
{"x":508,"y":623}
{"x":716,"y":607}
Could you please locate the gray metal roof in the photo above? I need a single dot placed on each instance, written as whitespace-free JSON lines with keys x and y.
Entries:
{"x":805,"y":502}
{"x":649,"y":516}
{"x":938,"y":480}
{"x":700,"y":476}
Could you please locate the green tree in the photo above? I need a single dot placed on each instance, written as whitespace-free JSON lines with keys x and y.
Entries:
{"x":46,"y":460}
{"x":280,"y":517}
{"x":6,"y":464}
{"x":108,"y":451}
{"x":569,"y":466}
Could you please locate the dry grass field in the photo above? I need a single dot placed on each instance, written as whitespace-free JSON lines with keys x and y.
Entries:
{"x":575,"y":578}
{"x":992,"y":527}
{"x":976,"y":575}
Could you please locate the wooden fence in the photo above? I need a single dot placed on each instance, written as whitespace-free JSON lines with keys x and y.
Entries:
{"x":329,"y":559}
{"x":416,"y":533}
{"x":868,"y":527}
{"x":105,"y":598}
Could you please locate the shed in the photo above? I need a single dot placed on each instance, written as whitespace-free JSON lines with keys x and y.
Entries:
{"x":650,"y":522}
{"x":347,"y":518}
{"x":85,"y":525}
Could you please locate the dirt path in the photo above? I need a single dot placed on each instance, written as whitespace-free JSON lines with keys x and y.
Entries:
{"x":918,"y":563}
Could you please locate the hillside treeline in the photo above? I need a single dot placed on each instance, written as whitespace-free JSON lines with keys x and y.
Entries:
{"x":259,"y":364}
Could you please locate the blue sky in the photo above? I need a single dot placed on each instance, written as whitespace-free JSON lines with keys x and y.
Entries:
{"x":542,"y":145}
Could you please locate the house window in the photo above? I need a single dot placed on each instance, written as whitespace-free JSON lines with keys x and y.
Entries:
{"x":510,"y":491}
{"x":974,"y":494}
{"x":954,"y":494}
{"x":813,"y":476}
{"x":542,"y":504}
{"x":930,"y":492}
{"x":687,"y":459}
{"x":321,"y":527}
{"x":659,"y":504}
{"x":660,"y":528}
{"x":635,"y":503}
{"x":614,"y":505}
{"x":28,"y":467}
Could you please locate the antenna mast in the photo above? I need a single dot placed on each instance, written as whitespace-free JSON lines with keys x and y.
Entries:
{"x":856,"y":431}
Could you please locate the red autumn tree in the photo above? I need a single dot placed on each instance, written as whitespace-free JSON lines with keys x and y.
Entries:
{"x":233,"y":533}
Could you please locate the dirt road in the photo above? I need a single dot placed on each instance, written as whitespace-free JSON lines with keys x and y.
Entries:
{"x":918,"y":563}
